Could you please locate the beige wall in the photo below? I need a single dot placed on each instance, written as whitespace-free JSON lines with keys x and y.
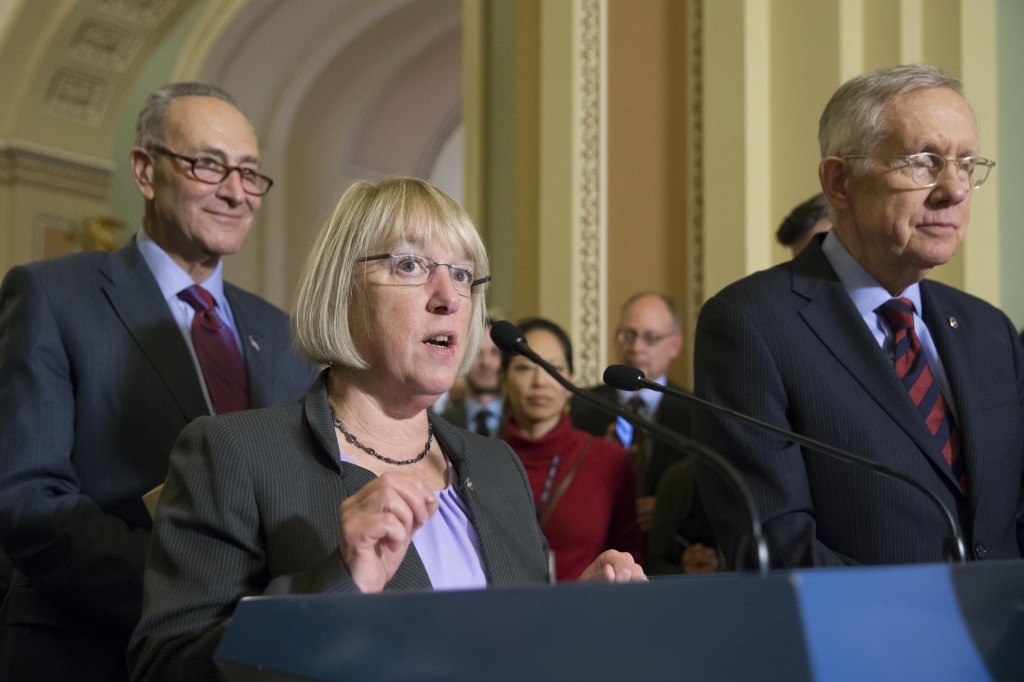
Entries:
{"x":646,"y":156}
{"x":525,"y":299}
{"x":769,"y":69}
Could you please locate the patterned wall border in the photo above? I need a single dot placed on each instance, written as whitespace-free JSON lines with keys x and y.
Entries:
{"x":591,"y":177}
{"x":694,"y":168}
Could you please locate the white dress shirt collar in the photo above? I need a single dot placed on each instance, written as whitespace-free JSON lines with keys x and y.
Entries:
{"x":866,"y":292}
{"x":171,"y":277}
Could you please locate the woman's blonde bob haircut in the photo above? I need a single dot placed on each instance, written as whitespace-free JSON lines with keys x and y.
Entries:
{"x":373,"y":218}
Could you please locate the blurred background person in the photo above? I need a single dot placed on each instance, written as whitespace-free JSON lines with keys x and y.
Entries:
{"x":583,"y":485}
{"x":479,"y":410}
{"x":649,"y":336}
{"x":803,"y":222}
{"x":392,"y":302}
{"x":681,"y":539}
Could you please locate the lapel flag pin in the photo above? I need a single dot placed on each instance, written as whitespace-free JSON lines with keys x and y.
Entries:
{"x":254,"y":344}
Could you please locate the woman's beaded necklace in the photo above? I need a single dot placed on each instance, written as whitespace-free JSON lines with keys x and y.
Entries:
{"x":370,"y":451}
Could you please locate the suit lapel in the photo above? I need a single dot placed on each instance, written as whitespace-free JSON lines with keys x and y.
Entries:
{"x":258,"y":362}
{"x":411,"y":573}
{"x":955,"y":356}
{"x":133,"y":292}
{"x":834,"y":319}
{"x":496,"y":559}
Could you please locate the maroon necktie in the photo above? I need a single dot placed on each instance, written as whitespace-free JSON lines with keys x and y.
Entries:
{"x":913,"y":370}
{"x":636,"y":452}
{"x":222,"y":365}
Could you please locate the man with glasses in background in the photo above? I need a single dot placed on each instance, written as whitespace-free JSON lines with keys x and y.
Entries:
{"x":104,"y":359}
{"x":480,"y":408}
{"x":850,"y":345}
{"x":649,"y":337}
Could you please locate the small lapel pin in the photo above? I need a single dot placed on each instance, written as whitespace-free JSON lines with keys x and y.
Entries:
{"x":255,"y":345}
{"x":953,"y":323}
{"x":469,"y":484}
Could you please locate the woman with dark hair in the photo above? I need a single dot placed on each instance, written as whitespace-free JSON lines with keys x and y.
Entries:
{"x":803,"y":222}
{"x":583,"y":486}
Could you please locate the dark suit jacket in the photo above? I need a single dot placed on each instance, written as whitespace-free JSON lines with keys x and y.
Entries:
{"x":455,"y":413}
{"x":96,"y":383}
{"x":672,"y":413}
{"x":788,"y":346}
{"x":251,"y":507}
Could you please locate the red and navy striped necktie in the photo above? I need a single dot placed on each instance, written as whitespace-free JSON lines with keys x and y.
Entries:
{"x":219,"y":358}
{"x":913,"y":370}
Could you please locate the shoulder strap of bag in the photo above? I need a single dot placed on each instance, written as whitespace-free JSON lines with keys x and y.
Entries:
{"x":549,"y":509}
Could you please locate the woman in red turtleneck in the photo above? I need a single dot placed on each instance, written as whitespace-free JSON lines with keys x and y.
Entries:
{"x":582,"y":486}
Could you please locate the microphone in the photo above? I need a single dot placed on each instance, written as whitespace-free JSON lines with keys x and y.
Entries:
{"x":626,"y":378}
{"x":752,"y":553}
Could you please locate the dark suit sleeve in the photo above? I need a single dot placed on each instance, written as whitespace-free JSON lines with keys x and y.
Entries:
{"x":673,"y":502}
{"x":734,"y":367}
{"x":207,"y":554}
{"x":65,"y":544}
{"x":586,"y":417}
{"x":1018,"y":360}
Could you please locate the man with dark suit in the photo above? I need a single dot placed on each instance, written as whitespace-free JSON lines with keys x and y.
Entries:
{"x":104,"y":359}
{"x":649,"y":337}
{"x":479,"y":410}
{"x":848,"y":344}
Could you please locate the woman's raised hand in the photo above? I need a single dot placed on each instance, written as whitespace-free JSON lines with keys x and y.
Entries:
{"x":377,"y":525}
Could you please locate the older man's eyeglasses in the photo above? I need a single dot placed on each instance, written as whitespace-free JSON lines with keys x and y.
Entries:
{"x":213,"y":172}
{"x":627,"y":336}
{"x":925,"y":168}
{"x":415,"y":269}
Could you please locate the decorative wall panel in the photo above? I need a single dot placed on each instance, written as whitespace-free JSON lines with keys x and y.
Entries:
{"x":105,"y":45}
{"x":78,"y":97}
{"x":591,"y":287}
{"x":145,"y":12}
{"x":695,"y":166}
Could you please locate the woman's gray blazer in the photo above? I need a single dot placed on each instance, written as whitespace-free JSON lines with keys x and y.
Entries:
{"x":251,"y":506}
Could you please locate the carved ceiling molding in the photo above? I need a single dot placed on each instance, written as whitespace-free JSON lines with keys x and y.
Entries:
{"x":78,"y":97}
{"x":105,"y":45}
{"x":26,"y":162}
{"x":591,"y":277}
{"x":107,"y":42}
{"x":143,"y":12}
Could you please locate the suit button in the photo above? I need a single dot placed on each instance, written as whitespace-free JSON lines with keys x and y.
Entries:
{"x":979,"y":551}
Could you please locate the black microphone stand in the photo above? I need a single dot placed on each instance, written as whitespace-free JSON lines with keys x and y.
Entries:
{"x":629,"y":378}
{"x":752,"y":553}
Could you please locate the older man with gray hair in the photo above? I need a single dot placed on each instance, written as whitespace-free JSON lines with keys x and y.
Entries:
{"x":850,"y":345}
{"x":104,"y":359}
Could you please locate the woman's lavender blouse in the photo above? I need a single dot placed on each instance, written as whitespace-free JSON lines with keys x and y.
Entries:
{"x":448,"y":544}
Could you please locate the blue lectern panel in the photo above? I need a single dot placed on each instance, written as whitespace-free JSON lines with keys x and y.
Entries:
{"x":893,"y":623}
{"x":719,"y":628}
{"x":883,"y":623}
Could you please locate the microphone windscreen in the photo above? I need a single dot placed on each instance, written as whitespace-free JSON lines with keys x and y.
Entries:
{"x":623,"y":377}
{"x":505,"y":336}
